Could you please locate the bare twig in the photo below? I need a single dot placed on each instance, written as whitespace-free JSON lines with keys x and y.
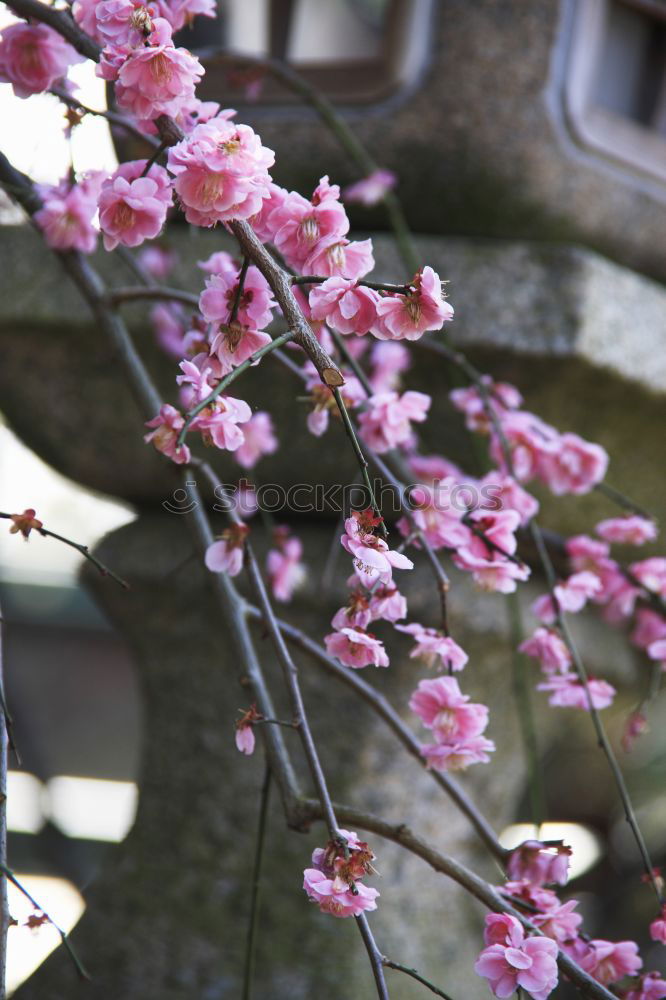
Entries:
{"x":83,"y":549}
{"x":399,"y":967}
{"x":250,"y":946}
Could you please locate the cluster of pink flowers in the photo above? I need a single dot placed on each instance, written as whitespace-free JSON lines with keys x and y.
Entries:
{"x":564,"y":462}
{"x":387,"y":421}
{"x":511,"y":960}
{"x":564,"y":685}
{"x":66,"y":215}
{"x":133,"y":204}
{"x":434,"y":648}
{"x":334,"y":880}
{"x":456,"y":725}
{"x":221,"y":171}
{"x":217,"y":424}
{"x":489,"y":552}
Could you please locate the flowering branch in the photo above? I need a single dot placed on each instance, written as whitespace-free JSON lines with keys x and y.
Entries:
{"x":69,"y":947}
{"x":383,"y":708}
{"x":26,"y":522}
{"x":192,"y":414}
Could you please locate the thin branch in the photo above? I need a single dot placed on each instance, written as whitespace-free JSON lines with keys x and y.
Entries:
{"x":83,"y":549}
{"x":112,"y":117}
{"x":399,"y":967}
{"x":401,"y":834}
{"x":117,"y":296}
{"x":78,"y":964}
{"x":192,"y":414}
{"x":623,"y":501}
{"x":233,"y":315}
{"x":602,"y":739}
{"x":525,"y":712}
{"x":378,"y":286}
{"x":250,"y":946}
{"x":279,"y":281}
{"x":360,"y":457}
{"x":375,"y":956}
{"x":383,"y":708}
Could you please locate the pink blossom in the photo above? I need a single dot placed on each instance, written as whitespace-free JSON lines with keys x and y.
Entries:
{"x":259,"y":440}
{"x":158,"y":261}
{"x":256,"y":302}
{"x":356,"y":648}
{"x":133,"y":208}
{"x":33,"y":57}
{"x":609,"y":961}
{"x":168,"y":424}
{"x":529,"y":963}
{"x":371,"y":189}
{"x":285,"y":570}
{"x":650,"y":987}
{"x":123,"y":22}
{"x":442,"y":707}
{"x":245,"y":740}
{"x":180,"y":13}
{"x":652,"y":574}
{"x":355,"y":614}
{"x":631,"y":530}
{"x":344,"y":305}
{"x":157,"y":79}
{"x":634,"y":727}
{"x":262,"y":222}
{"x":221,"y":263}
{"x":567,"y":691}
{"x":571,"y":596}
{"x":221,"y":172}
{"x":434,"y":469}
{"x":244,"y":733}
{"x":560,"y":922}
{"x":576,"y":466}
{"x":488,"y":552}
{"x":549,"y":648}
{"x":168,"y":323}
{"x":218,"y":423}
{"x":531,"y":442}
{"x":389,"y":359}
{"x":650,"y":626}
{"x":459,"y":755}
{"x":226,"y":555}
{"x":335,"y":255}
{"x":509,"y":495}
{"x":496,"y":574}
{"x":657,"y":651}
{"x":387,"y":604}
{"x":498,"y":398}
{"x":586,"y":553}
{"x":67,"y":212}
{"x":336,"y":898}
{"x":539,"y":864}
{"x":373,"y":560}
{"x":297,"y":226}
{"x":407,"y":317}
{"x":434,"y":648}
{"x":442,"y":528}
{"x":387,"y":422}
{"x":84,"y":12}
